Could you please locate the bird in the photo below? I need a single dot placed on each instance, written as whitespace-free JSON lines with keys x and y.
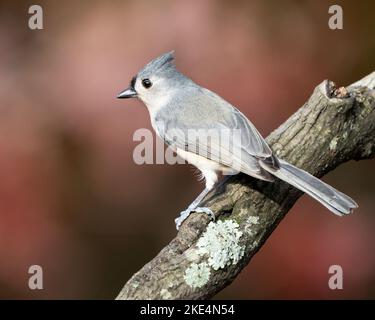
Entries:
{"x":192,"y":120}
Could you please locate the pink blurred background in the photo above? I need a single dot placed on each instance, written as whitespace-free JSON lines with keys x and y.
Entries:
{"x":73,"y":201}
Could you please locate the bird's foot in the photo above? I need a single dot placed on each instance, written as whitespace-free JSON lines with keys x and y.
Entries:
{"x":186,"y":213}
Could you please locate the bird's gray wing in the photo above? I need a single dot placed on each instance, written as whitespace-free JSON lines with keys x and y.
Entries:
{"x":201,"y":122}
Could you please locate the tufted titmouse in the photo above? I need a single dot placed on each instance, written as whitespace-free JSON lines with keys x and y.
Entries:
{"x":179,"y":108}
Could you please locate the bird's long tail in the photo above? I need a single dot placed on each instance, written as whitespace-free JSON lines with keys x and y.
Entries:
{"x":328,"y":196}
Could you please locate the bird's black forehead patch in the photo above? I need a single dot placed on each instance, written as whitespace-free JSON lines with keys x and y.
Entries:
{"x":132,"y":82}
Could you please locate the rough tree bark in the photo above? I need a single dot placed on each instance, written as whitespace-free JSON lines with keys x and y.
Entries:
{"x":334,"y":126}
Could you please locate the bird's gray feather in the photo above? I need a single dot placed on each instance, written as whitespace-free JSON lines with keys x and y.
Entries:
{"x":163,"y":64}
{"x":189,"y":112}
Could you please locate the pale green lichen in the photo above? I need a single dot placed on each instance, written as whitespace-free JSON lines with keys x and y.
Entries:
{"x":254,"y":245}
{"x":220,"y":243}
{"x":197,"y":275}
{"x":333,"y":144}
{"x":165,"y":294}
{"x":135,"y":285}
{"x":251,"y":221}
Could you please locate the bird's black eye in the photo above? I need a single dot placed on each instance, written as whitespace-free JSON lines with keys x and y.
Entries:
{"x":146,"y":83}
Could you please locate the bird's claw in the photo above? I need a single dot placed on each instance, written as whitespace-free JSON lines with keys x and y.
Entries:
{"x":186,"y":213}
{"x":207,"y":211}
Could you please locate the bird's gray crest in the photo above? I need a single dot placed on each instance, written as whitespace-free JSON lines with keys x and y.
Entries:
{"x":159,"y":64}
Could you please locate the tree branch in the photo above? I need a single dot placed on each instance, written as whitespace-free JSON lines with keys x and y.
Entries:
{"x":336,"y":125}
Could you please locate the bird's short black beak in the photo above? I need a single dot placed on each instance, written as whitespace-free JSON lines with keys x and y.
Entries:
{"x":127,"y":93}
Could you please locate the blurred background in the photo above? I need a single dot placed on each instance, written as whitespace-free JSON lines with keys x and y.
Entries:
{"x":71,"y":197}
